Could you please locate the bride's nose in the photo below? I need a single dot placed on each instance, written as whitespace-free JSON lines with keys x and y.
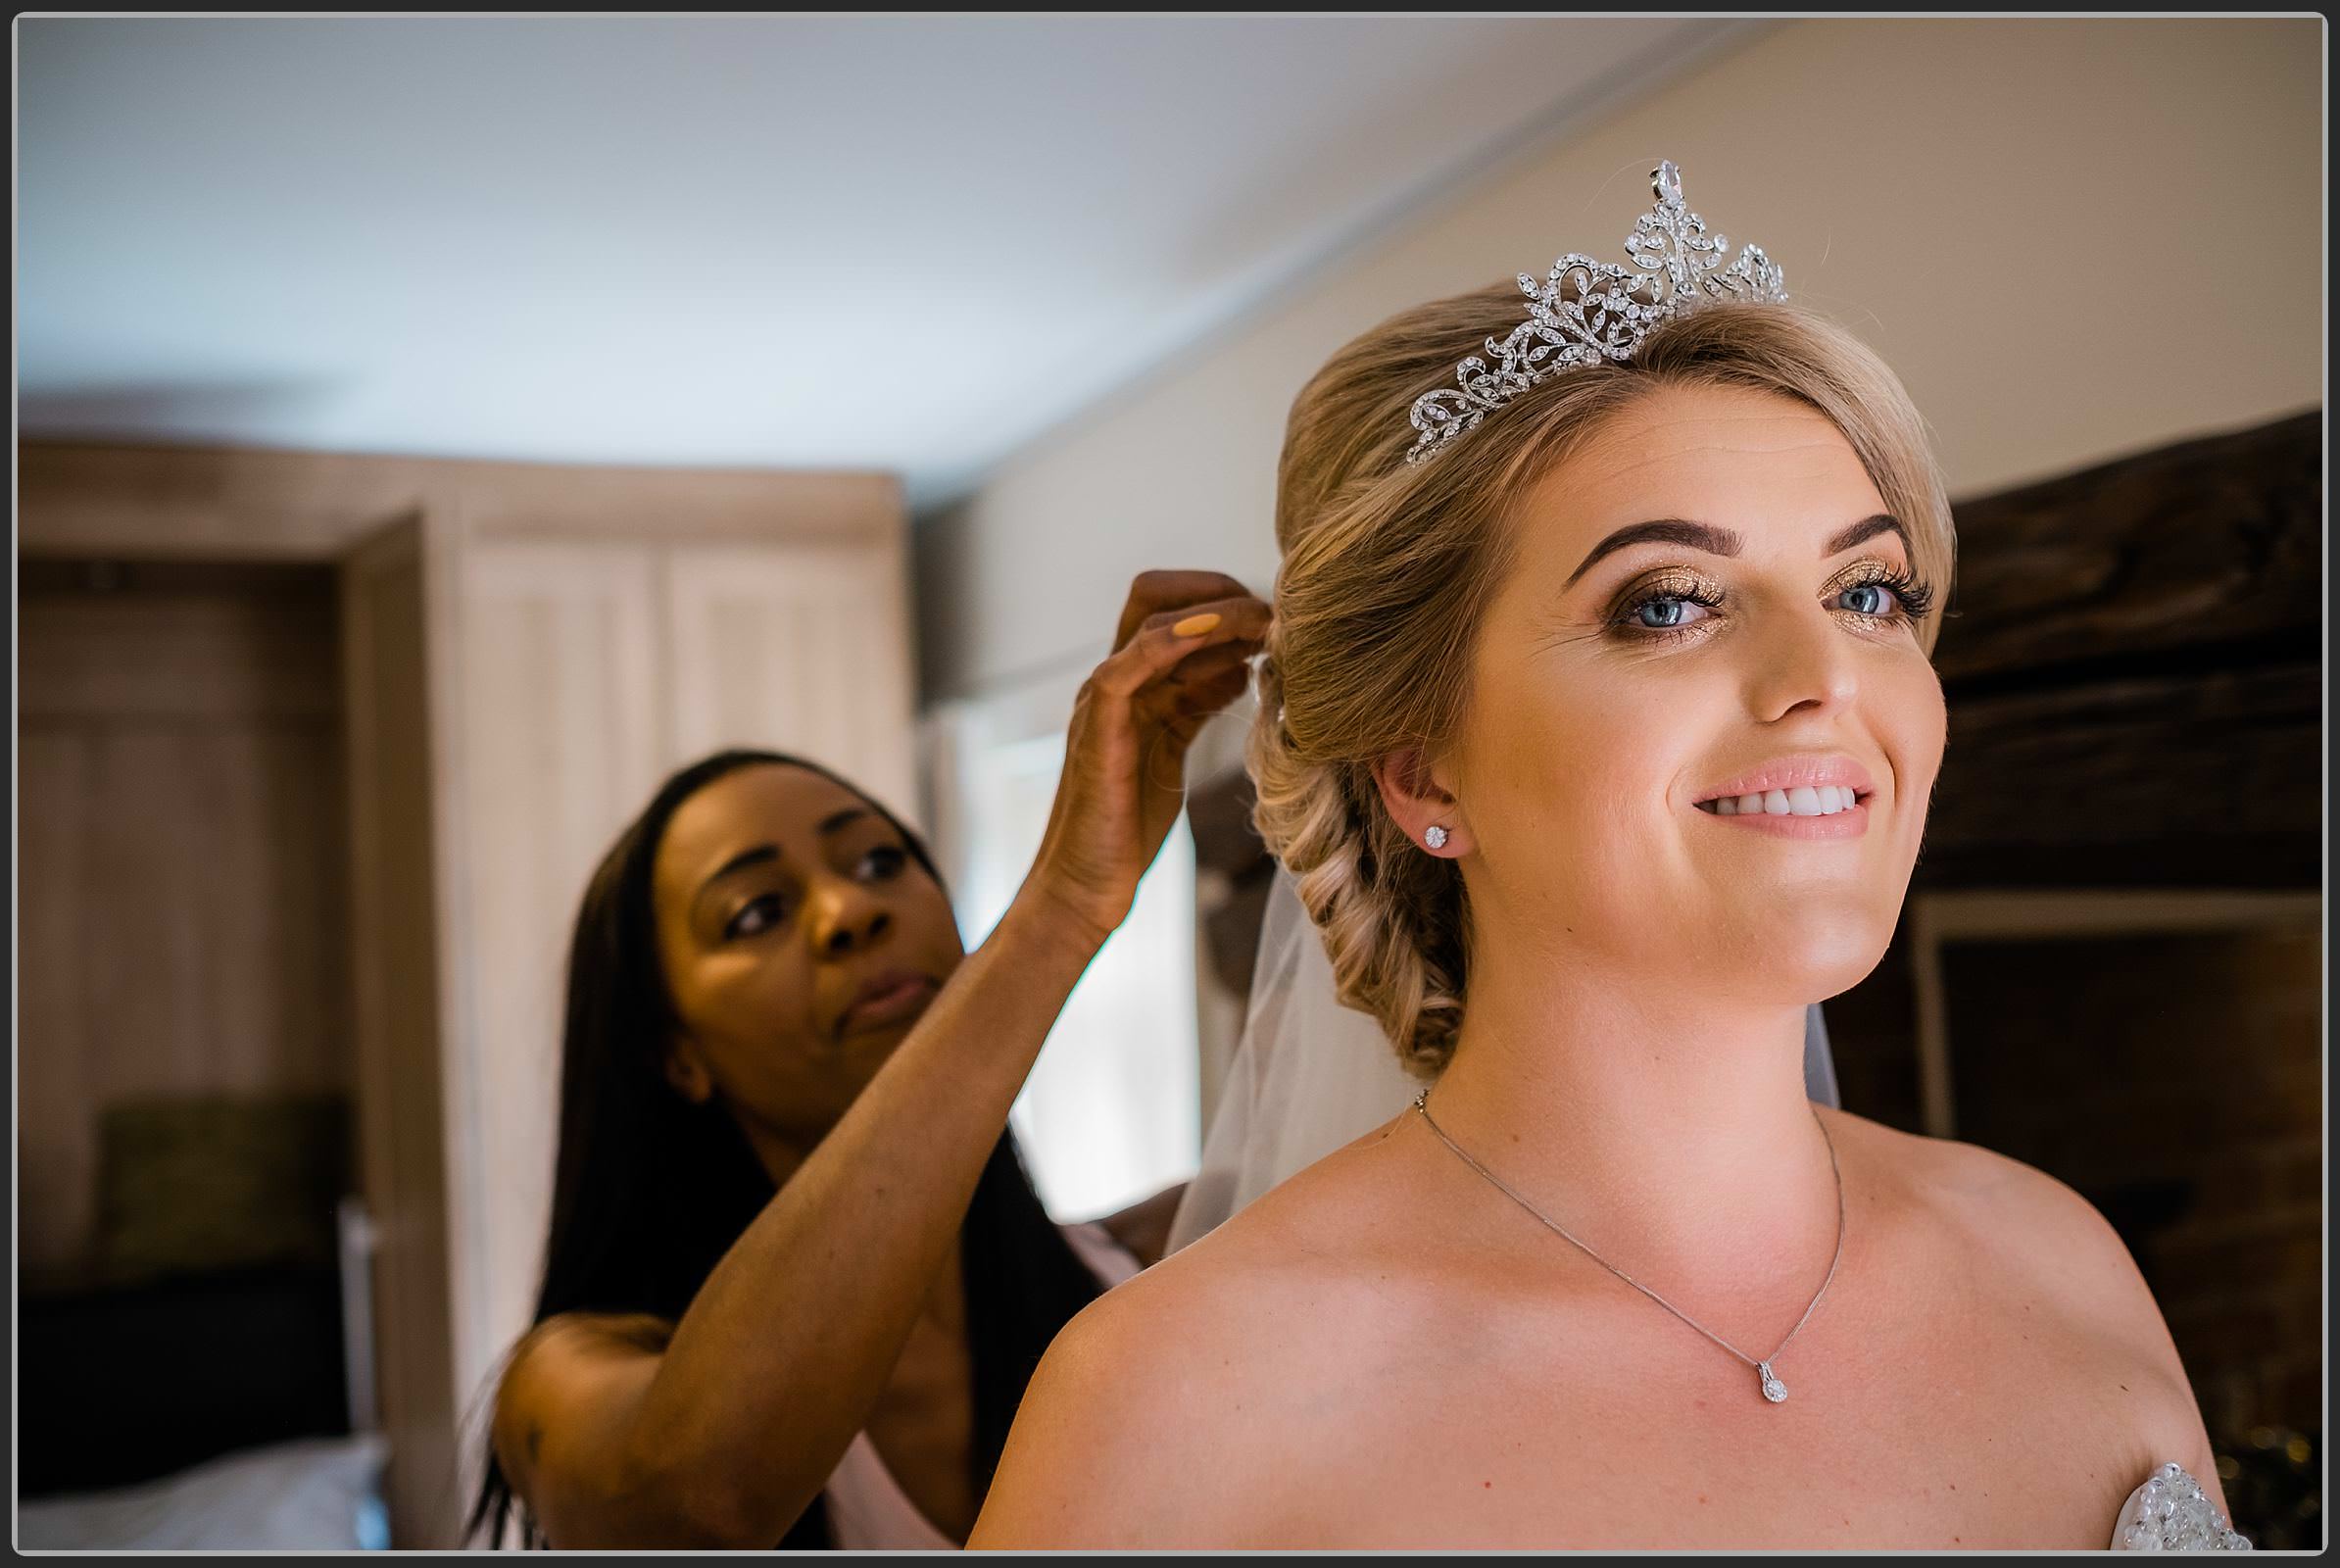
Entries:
{"x":1804,"y":662}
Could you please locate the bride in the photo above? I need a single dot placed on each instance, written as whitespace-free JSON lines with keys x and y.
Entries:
{"x":1597,"y":728}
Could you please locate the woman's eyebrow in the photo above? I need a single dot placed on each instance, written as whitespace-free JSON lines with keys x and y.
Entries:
{"x":1720,"y":540}
{"x":740,"y":862}
{"x":762,"y":854}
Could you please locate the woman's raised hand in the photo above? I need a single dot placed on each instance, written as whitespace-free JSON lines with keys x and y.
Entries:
{"x":1181,"y":654}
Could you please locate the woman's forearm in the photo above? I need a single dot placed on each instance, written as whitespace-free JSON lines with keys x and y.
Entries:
{"x":787,"y":1347}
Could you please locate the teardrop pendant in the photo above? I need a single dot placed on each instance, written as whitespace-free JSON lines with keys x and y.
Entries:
{"x":1773,"y":1388}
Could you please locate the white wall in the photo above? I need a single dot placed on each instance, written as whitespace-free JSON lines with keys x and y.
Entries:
{"x":2073,"y":238}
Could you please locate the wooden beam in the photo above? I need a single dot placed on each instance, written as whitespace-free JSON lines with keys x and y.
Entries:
{"x":2211,"y":549}
{"x":2146,"y":767}
{"x":249,"y":503}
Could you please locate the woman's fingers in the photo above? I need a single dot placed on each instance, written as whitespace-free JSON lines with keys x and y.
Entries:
{"x":1196,"y":699}
{"x":1180,"y":655}
{"x":1227,"y":669}
{"x":1236,"y":615}
{"x":1165,"y":638}
{"x":1153,"y":592}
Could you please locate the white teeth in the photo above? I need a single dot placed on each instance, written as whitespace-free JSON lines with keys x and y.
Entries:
{"x":1805,"y":800}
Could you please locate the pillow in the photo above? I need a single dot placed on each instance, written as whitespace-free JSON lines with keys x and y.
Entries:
{"x":317,"y":1494}
{"x":195,"y":1182}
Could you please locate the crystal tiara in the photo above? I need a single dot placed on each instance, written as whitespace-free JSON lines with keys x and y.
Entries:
{"x":1589,"y":310}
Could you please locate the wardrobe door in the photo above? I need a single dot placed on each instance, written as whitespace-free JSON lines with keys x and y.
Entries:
{"x":562,"y":741}
{"x":392,"y":598}
{"x":800,"y":647}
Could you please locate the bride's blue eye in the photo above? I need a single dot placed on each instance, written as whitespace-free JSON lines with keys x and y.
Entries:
{"x":1672,"y":613}
{"x":1667,"y":609}
{"x":1896,"y":595}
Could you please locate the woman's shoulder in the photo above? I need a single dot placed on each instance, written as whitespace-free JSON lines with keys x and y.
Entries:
{"x":2016,"y":1238}
{"x":1998,"y":1202}
{"x":1243,"y":1289}
{"x":1153,"y":1410}
{"x":557,"y":1390}
{"x":2031,"y":1235}
{"x":1992,"y":1204}
{"x":573,"y":1349}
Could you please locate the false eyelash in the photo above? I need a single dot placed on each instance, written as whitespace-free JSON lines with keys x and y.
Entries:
{"x":1916,"y":597}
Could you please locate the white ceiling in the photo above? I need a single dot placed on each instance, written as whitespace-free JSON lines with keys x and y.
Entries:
{"x":910,"y":243}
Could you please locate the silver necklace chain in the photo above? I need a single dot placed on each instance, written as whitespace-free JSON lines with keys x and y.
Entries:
{"x":1773,"y":1388}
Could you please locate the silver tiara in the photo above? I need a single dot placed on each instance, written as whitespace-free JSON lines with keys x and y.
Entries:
{"x":1589,"y":310}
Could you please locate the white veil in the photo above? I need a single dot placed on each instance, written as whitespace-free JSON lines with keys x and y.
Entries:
{"x":1311,"y":1074}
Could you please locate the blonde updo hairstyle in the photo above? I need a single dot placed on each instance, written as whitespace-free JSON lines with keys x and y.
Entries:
{"x":1386,"y":567}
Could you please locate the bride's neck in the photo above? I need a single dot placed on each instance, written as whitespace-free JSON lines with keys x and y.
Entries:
{"x":1670,"y":1128}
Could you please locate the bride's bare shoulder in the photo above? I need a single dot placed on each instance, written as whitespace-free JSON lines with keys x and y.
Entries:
{"x":1152,"y":1412}
{"x":2036,"y":1241}
{"x":2030,"y":1225}
{"x":1980,"y":1191}
{"x":1268,"y":1274}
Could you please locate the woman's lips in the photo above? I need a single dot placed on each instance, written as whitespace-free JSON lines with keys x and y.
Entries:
{"x":1849,"y":823}
{"x":887,"y":1001}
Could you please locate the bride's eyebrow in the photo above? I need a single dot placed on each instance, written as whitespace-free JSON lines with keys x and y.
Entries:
{"x":1720,"y":540}
{"x":1661,"y":531}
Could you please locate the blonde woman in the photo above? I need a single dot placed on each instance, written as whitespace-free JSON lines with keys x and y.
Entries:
{"x":1597,"y":729}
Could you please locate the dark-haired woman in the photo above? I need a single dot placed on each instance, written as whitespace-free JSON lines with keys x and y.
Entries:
{"x":796,"y":1278}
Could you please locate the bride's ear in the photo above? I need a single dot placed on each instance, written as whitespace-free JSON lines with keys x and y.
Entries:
{"x":1425,"y":810}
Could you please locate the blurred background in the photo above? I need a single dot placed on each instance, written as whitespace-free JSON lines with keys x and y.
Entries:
{"x":432,"y":431}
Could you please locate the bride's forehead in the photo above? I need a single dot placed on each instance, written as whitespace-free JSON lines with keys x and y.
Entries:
{"x":1753,"y":462}
{"x":1706,"y":433}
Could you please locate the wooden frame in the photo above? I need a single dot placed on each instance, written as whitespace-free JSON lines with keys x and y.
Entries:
{"x":2014,"y":914}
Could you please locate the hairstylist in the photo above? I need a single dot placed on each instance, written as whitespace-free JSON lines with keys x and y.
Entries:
{"x":796,"y":1278}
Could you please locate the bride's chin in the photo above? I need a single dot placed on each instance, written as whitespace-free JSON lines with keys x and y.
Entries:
{"x":1813,"y":956}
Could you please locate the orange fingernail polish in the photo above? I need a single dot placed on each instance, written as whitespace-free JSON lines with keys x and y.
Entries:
{"x":1194,"y":625}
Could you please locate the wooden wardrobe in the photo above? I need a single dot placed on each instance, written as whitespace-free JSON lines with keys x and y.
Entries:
{"x":525,"y":651}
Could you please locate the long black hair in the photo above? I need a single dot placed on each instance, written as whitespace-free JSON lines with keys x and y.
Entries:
{"x":650,"y":1189}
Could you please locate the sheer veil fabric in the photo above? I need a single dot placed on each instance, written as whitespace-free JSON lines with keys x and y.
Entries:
{"x":1311,"y":1074}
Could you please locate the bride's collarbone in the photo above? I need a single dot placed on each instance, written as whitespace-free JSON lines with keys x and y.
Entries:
{"x":1616,"y":1438}
{"x":1945,"y":1391}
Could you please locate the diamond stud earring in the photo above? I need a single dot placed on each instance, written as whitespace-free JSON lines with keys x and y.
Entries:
{"x":1435,"y":836}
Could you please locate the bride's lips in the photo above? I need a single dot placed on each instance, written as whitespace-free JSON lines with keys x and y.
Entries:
{"x":1796,"y":775}
{"x":887,"y":999}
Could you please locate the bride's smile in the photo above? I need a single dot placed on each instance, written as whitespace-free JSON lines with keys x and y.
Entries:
{"x":1795,"y":786}
{"x":1795,"y":811}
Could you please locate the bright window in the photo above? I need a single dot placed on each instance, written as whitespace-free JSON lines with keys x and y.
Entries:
{"x":1112,"y":1111}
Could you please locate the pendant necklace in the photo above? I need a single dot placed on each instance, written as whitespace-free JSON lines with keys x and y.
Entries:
{"x":1768,"y":1381}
